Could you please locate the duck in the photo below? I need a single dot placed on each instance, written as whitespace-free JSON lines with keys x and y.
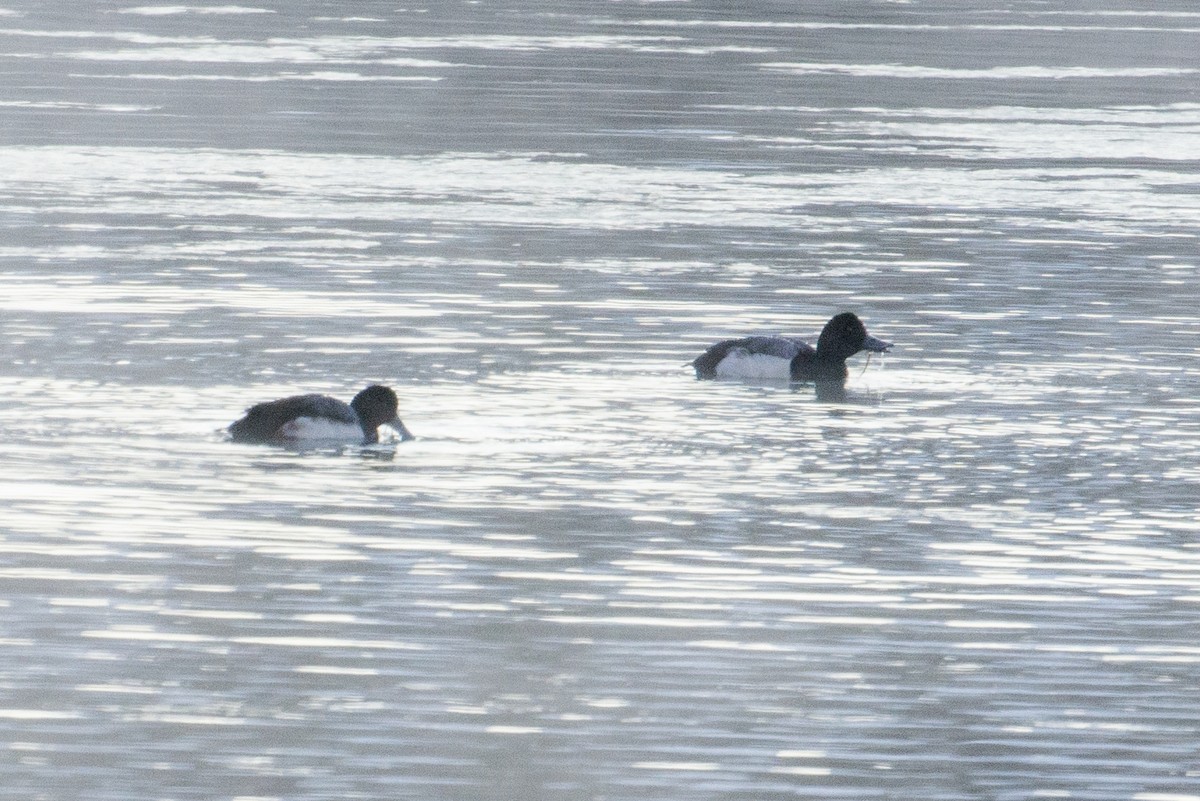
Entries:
{"x":786,"y":358}
{"x":320,"y":417}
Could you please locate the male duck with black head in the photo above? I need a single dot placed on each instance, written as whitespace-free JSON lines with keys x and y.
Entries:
{"x":320,"y":418}
{"x":788,"y":359}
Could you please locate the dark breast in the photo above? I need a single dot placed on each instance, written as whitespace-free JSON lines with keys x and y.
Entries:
{"x":807,"y":366}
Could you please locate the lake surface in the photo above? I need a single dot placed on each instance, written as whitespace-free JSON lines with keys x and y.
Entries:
{"x":592,"y":576}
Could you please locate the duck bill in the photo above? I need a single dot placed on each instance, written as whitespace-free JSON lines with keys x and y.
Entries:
{"x":876,"y":345}
{"x":401,"y":429}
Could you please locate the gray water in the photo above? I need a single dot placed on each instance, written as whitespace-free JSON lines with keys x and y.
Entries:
{"x":592,"y":576}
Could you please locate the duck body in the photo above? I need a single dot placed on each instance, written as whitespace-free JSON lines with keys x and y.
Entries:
{"x":788,"y":359}
{"x":309,"y":418}
{"x":766,"y":358}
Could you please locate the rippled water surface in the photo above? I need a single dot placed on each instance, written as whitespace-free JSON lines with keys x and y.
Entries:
{"x":976,"y":576}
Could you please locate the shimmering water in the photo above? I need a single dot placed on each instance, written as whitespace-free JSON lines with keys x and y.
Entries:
{"x":593,"y":577}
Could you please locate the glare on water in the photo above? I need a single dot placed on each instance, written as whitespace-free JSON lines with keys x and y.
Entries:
{"x":973,"y":575}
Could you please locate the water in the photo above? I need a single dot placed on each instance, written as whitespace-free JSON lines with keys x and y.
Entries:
{"x":975,"y":577}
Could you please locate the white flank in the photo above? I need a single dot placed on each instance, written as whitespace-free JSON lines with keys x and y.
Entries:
{"x":319,"y":428}
{"x":741,"y":363}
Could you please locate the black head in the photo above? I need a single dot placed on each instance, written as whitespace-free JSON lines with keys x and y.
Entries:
{"x":844,"y":336}
{"x":375,"y":406}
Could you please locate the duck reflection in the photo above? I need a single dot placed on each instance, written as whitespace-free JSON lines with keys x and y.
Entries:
{"x":829,"y":391}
